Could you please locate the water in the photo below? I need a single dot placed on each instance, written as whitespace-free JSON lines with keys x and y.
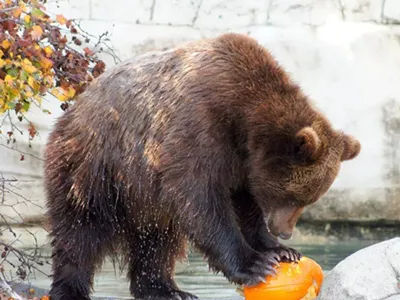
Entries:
{"x":194,"y":275}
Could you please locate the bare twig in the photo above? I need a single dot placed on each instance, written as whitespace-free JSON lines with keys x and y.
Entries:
{"x":13,"y":126}
{"x":24,"y":262}
{"x":100,"y":38}
{"x":21,"y":152}
{"x":8,"y":9}
{"x":7,"y":288}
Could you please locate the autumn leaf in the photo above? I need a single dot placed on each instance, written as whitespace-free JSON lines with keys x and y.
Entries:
{"x":5,"y":44}
{"x":63,"y":94}
{"x":87,"y":51}
{"x":61,"y":19}
{"x":31,"y":130}
{"x":48,"y":51}
{"x":28,"y":91}
{"x":45,"y":63}
{"x":22,"y":5}
{"x":28,"y":67}
{"x":37,"y":13}
{"x":13,"y":93}
{"x":25,"y":106}
{"x":36,"y":58}
{"x":27,"y":18}
{"x":36,"y":4}
{"x":17,"y":12}
{"x":36,"y":32}
{"x":71,"y":92}
{"x":8,"y":80}
{"x":33,"y":84}
{"x":48,"y":80}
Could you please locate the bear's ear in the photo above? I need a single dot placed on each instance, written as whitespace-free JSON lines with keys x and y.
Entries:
{"x":307,"y":144}
{"x":351,"y":147}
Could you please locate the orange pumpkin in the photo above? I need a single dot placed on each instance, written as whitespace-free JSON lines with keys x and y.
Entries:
{"x":295,"y":281}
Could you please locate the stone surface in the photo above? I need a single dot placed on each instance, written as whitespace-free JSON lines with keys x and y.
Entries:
{"x":361,"y":10}
{"x":130,"y":11}
{"x":149,"y":37}
{"x":222,"y":14}
{"x":308,"y":12}
{"x":391,"y":11}
{"x":369,"y":274}
{"x":185,"y":12}
{"x":75,"y":9}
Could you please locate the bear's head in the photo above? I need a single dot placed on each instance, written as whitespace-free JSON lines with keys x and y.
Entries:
{"x":291,"y":168}
{"x":292,"y":153}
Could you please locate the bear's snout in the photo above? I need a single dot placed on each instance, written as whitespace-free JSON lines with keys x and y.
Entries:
{"x":283,"y":220}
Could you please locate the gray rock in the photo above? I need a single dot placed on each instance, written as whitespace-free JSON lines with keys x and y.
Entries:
{"x":372,"y":273}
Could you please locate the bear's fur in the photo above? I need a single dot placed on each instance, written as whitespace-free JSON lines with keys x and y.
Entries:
{"x":210,"y":143}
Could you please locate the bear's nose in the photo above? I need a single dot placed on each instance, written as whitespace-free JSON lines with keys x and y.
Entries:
{"x":285,"y":235}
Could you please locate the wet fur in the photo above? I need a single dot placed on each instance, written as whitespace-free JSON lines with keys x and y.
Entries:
{"x":196,"y":143}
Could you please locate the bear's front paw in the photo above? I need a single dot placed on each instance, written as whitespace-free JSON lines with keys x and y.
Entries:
{"x":256,"y":268}
{"x":287,"y":254}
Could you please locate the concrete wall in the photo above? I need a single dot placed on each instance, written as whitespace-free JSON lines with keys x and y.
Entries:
{"x":345,"y":54}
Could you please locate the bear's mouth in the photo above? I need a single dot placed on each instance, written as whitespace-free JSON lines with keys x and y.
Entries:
{"x":270,"y":232}
{"x":275,"y":236}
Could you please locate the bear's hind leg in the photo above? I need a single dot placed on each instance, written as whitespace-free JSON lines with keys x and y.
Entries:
{"x":77,"y":251}
{"x":152,"y":260}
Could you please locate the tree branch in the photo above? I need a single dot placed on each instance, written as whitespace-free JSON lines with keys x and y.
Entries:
{"x":7,"y":288}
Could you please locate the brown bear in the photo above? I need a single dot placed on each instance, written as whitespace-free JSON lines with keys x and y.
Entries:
{"x":210,"y":143}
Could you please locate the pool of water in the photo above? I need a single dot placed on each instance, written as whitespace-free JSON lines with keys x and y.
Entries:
{"x":194,"y":275}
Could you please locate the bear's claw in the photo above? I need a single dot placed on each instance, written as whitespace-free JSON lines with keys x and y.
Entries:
{"x":256,"y":269}
{"x":288,"y":254}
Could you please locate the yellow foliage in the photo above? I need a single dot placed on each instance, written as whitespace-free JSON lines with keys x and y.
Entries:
{"x":6,"y":44}
{"x":62,"y":94}
{"x":33,"y":84}
{"x":27,"y":66}
{"x":48,"y":80}
{"x":8,"y":80}
{"x":23,"y":7}
{"x":61,"y":19}
{"x":46,"y":63}
{"x":48,"y":51}
{"x":17,"y":12}
{"x":34,"y":56}
{"x":28,"y":91}
{"x":36,"y":32}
